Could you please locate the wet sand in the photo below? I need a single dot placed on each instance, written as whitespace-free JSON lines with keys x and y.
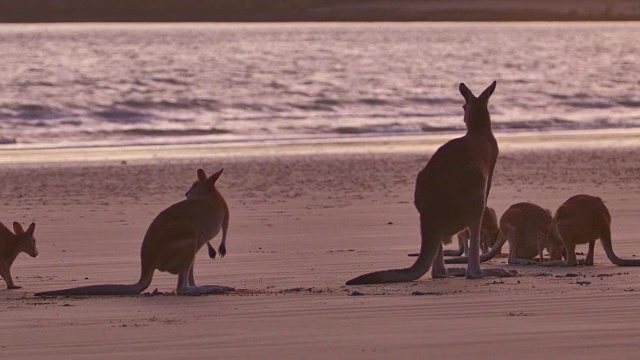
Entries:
{"x":301,"y":225}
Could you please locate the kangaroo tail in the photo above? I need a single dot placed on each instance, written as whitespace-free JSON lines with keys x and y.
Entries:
{"x":114,"y":289}
{"x":428,"y":250}
{"x":605,"y":239}
{"x":453,"y":252}
{"x":497,"y":247}
{"x":463,"y":239}
{"x":96,"y":290}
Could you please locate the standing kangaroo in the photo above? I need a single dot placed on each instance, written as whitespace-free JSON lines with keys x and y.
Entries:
{"x":450,"y":195}
{"x":13,"y":244}
{"x":526,"y":226}
{"x":172,"y":241}
{"x":584,"y":219}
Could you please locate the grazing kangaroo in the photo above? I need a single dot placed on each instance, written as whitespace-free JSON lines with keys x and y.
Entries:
{"x":172,"y":241}
{"x":526,"y":226}
{"x":583,"y":219}
{"x":450,"y":195}
{"x":488,"y":235}
{"x":13,"y":244}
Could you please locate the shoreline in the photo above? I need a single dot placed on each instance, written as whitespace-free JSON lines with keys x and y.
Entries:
{"x":12,"y":155}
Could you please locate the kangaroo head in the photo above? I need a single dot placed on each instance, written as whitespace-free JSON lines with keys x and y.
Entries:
{"x":555,"y":251}
{"x":491,"y":235}
{"x":555,"y":247}
{"x":476,"y":112}
{"x":26,"y":241}
{"x":204,"y":185}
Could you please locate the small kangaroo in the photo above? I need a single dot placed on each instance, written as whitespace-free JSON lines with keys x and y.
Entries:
{"x":13,"y":244}
{"x":172,"y":241}
{"x":450,"y":195}
{"x":488,"y":235}
{"x":526,"y":226}
{"x":583,"y":219}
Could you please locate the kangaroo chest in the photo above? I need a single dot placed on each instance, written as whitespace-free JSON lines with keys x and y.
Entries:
{"x":208,"y":222}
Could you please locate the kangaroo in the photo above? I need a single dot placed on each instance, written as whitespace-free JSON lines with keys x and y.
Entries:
{"x":13,"y":244}
{"x":583,"y":219}
{"x":172,"y":241}
{"x":488,"y":236}
{"x":450,"y":195}
{"x":526,"y":226}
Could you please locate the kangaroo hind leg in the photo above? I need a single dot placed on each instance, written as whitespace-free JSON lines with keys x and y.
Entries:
{"x":517,"y":239}
{"x":192,"y":280}
{"x":439,"y":269}
{"x":185,"y":289}
{"x":473,"y":268}
{"x":588,"y":261}
{"x":186,"y":285}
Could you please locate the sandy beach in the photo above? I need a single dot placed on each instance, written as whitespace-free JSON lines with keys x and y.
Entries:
{"x":302,"y":223}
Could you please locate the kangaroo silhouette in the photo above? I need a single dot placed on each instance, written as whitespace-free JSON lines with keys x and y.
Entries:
{"x":13,"y":244}
{"x":450,"y":195}
{"x":488,"y":235}
{"x":526,"y":226}
{"x":583,"y":219}
{"x":172,"y":241}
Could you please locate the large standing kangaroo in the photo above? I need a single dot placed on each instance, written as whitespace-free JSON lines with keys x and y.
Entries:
{"x":451,"y":194}
{"x":172,"y":241}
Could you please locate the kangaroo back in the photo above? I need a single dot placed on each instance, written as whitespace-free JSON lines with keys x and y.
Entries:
{"x":584,"y":218}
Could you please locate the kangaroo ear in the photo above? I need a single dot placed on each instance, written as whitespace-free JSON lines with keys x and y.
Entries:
{"x":201,"y":175}
{"x":31,"y":229}
{"x":17,"y":228}
{"x":488,"y":91}
{"x":215,"y":176}
{"x":466,"y":93}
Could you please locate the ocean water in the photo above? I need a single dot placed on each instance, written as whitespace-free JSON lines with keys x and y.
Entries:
{"x":121,"y":84}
